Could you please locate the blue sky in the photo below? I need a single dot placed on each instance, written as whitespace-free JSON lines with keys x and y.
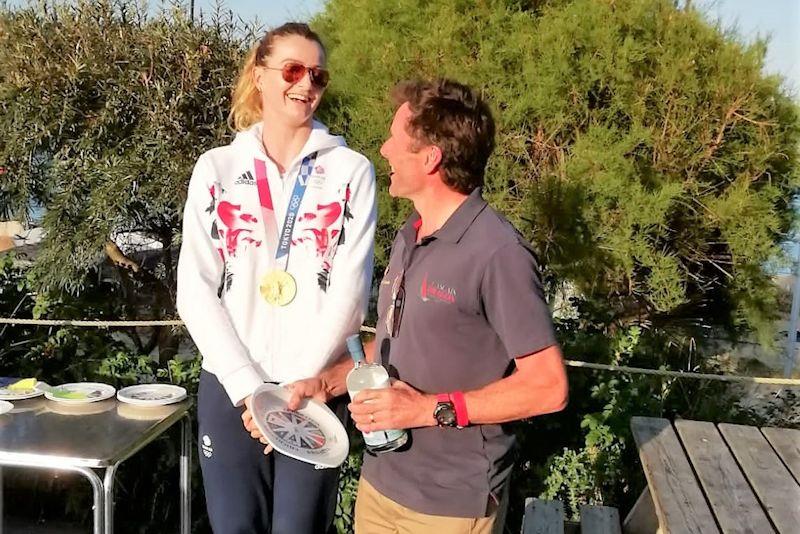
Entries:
{"x":778,"y":19}
{"x":268,"y":12}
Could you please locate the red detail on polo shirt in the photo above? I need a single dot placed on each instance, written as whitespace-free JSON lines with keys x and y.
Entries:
{"x":417,"y":224}
{"x":436,"y":291}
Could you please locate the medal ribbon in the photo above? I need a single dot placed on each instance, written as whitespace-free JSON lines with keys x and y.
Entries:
{"x":282,"y":242}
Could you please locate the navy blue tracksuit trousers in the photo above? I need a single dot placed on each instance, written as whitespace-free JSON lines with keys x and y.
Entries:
{"x":248,"y":492}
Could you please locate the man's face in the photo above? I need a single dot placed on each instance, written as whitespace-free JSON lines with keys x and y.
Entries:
{"x":408,"y":172}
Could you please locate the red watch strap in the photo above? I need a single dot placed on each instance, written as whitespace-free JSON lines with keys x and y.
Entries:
{"x":442,"y":397}
{"x":462,"y":418}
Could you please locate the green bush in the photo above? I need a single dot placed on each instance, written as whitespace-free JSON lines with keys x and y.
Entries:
{"x":640,"y":148}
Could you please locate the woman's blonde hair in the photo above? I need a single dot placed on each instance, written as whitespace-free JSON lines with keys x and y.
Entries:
{"x":246,"y":100}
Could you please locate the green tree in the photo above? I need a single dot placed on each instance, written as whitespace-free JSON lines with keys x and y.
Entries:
{"x":104,"y":112}
{"x":649,"y":160}
{"x":640,"y":148}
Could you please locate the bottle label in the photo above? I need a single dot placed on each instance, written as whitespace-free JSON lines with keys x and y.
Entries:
{"x":381,"y":437}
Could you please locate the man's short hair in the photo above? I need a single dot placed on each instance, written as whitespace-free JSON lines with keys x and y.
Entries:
{"x":451,"y":116}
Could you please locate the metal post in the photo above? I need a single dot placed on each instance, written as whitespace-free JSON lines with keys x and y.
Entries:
{"x":791,"y":335}
{"x":108,"y":498}
{"x":1,"y":499}
{"x":185,"y":473}
{"x":98,"y":493}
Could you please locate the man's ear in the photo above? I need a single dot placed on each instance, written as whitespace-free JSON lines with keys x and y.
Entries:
{"x":433,"y":159}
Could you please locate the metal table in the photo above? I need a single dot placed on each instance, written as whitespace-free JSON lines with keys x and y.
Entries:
{"x":93,"y":440}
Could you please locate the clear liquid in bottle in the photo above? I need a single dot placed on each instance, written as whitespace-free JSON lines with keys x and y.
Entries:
{"x":371,"y":376}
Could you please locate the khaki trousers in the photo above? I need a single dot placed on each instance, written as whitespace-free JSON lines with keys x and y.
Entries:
{"x":376,"y":514}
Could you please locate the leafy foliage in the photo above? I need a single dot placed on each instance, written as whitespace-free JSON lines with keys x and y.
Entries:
{"x":104,"y":113}
{"x":640,"y":148}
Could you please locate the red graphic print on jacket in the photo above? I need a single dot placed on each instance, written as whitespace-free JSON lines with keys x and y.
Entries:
{"x":314,"y":227}
{"x":237,"y":226}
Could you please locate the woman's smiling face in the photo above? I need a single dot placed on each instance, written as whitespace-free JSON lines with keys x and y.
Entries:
{"x":291,"y":103}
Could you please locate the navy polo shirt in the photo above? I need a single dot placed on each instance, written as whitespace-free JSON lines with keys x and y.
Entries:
{"x":473,"y":302}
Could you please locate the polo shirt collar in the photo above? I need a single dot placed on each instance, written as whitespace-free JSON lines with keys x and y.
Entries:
{"x":455,"y":227}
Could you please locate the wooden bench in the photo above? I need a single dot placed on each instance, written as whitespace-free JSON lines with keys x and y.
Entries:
{"x":547,"y":517}
{"x":707,"y":479}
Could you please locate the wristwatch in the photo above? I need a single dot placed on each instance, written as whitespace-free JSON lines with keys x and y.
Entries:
{"x":445,"y":411}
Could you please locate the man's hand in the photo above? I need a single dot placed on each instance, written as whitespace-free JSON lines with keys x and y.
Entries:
{"x":250,"y":425}
{"x":394,"y":408}
{"x":313,"y":388}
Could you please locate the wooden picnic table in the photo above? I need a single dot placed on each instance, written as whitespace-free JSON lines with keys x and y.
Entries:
{"x":705,"y":478}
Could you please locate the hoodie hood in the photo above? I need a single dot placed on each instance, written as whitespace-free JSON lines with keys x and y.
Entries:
{"x":318,"y":140}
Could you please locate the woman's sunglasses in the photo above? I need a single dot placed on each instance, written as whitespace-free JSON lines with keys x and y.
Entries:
{"x":294,"y":72}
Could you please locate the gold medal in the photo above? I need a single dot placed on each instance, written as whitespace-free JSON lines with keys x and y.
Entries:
{"x":278,"y":288}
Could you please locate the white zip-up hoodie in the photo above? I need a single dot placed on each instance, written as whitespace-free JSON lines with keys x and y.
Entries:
{"x":244,"y":340}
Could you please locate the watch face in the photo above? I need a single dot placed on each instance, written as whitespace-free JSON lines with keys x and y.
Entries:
{"x":445,"y":414}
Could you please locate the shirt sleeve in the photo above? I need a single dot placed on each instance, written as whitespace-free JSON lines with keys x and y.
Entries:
{"x":200,"y":269}
{"x":345,"y":304}
{"x":513,"y":299}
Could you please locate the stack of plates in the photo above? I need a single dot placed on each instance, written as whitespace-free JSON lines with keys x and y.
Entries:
{"x":80,"y":392}
{"x":151,"y":394}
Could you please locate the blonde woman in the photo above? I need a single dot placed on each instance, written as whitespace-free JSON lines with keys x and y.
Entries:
{"x":274,"y":274}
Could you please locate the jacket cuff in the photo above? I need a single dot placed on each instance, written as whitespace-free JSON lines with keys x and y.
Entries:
{"x":241,"y":383}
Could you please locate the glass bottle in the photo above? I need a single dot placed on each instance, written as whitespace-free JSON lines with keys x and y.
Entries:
{"x":371,"y":376}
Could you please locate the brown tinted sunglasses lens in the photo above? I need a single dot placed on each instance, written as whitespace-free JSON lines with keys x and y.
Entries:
{"x":294,"y":72}
{"x":319,"y":77}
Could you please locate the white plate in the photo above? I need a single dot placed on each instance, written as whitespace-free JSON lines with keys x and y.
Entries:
{"x":312,"y":434}
{"x":5,"y":407}
{"x":151,"y":394}
{"x":94,"y":391}
{"x":19,"y":394}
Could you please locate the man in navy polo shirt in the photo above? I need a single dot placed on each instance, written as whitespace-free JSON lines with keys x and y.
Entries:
{"x":463,"y":326}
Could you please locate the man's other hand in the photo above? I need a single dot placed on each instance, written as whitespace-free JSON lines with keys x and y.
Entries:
{"x":308,"y":388}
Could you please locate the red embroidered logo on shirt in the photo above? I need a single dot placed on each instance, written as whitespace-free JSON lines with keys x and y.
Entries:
{"x":431,"y":291}
{"x":319,"y":169}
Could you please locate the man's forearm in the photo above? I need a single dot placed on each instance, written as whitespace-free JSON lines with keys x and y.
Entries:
{"x":537,"y":387}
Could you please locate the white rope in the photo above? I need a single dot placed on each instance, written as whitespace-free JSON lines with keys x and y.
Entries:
{"x":371,"y":330}
{"x":685,"y":374}
{"x":91,"y":324}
